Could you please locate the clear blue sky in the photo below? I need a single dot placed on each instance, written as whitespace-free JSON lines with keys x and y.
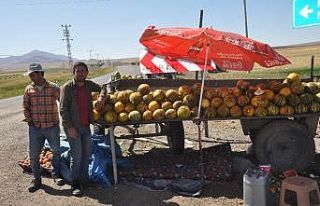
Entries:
{"x":111,"y":28}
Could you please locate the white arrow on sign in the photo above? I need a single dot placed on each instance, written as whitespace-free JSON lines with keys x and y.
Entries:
{"x":306,"y":11}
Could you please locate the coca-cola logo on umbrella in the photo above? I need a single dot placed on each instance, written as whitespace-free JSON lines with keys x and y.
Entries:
{"x":195,"y":49}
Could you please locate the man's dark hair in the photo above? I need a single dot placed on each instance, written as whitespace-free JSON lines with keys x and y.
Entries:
{"x":77,"y":64}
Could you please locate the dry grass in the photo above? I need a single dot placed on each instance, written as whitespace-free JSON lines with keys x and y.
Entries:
{"x":300,"y":57}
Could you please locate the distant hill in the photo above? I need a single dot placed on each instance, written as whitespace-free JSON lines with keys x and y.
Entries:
{"x":50,"y":60}
{"x":298,"y":54}
{"x":44,"y":58}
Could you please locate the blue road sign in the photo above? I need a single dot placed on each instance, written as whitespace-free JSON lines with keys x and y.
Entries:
{"x":306,"y":13}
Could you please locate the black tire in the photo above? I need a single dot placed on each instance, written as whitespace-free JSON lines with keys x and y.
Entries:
{"x":175,"y":136}
{"x":285,"y":145}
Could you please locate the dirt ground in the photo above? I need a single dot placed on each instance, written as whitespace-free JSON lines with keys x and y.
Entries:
{"x":14,"y":183}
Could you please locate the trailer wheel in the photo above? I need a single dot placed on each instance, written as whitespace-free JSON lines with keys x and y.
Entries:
{"x":175,"y":136}
{"x":285,"y":145}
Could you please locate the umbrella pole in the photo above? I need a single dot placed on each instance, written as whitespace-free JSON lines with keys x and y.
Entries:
{"x":198,"y":121}
{"x":201,"y":152}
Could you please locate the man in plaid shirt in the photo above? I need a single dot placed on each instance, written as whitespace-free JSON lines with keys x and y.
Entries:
{"x":41,"y":114}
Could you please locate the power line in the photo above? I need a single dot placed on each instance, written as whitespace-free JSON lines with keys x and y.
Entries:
{"x":66,"y":34}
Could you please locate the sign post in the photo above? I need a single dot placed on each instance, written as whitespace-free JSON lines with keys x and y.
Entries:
{"x":306,"y":13}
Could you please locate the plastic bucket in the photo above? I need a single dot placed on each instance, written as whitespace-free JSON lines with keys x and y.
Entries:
{"x":255,"y":187}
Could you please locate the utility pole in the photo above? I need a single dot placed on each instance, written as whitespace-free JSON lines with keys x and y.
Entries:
{"x":91,"y":63}
{"x":66,"y":35}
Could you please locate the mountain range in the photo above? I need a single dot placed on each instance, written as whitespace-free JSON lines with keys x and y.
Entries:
{"x":35,"y":56}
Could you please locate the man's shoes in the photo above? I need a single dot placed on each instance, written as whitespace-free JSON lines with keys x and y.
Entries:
{"x":76,"y":192}
{"x":76,"y":188}
{"x":35,"y":185}
{"x":59,"y":181}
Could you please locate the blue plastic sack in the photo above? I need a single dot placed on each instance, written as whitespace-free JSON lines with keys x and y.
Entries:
{"x":99,"y":162}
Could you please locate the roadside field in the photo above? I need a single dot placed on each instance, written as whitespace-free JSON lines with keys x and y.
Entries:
{"x":12,"y":83}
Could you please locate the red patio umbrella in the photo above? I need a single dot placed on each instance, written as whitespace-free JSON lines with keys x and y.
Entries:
{"x":228,"y":50}
{"x":203,"y":45}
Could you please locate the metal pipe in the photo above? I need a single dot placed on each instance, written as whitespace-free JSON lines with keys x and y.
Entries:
{"x":245,"y":17}
{"x":201,"y":18}
{"x":200,"y":26}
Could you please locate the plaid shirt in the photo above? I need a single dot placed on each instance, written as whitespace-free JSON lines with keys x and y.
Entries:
{"x":40,"y":105}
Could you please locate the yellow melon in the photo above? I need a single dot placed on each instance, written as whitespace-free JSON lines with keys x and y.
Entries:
{"x":119,"y":107}
{"x":158,"y":114}
{"x":147,"y":115}
{"x":153,"y":105}
{"x":123,"y":117}
{"x":129,"y":107}
{"x":159,"y":95}
{"x":135,"y":115}
{"x":184,"y":90}
{"x":171,"y":114}
{"x":144,"y":89}
{"x":110,"y":116}
{"x":205,"y":103}
{"x":96,"y":115}
{"x":190,"y":100}
{"x":183,"y":112}
{"x":135,"y":98}
{"x":177,"y":104}
{"x":166,"y":105}
{"x":172,"y":95}
{"x":293,"y":78}
{"x":147,"y":98}
{"x":123,"y":96}
{"x":141,"y":107}
{"x":196,"y":89}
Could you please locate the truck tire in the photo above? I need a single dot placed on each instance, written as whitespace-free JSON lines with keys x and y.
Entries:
{"x":175,"y":136}
{"x":284,"y":145}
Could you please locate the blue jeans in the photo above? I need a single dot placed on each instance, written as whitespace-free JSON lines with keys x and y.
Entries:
{"x":37,"y":137}
{"x":80,"y":152}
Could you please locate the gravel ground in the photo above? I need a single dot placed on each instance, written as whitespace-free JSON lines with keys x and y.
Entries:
{"x":14,"y":183}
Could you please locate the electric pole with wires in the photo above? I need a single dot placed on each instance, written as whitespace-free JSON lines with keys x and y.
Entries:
{"x":66,"y":35}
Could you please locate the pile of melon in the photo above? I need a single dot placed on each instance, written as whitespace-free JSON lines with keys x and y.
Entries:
{"x":45,"y":161}
{"x":263,"y":99}
{"x":117,"y":76}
